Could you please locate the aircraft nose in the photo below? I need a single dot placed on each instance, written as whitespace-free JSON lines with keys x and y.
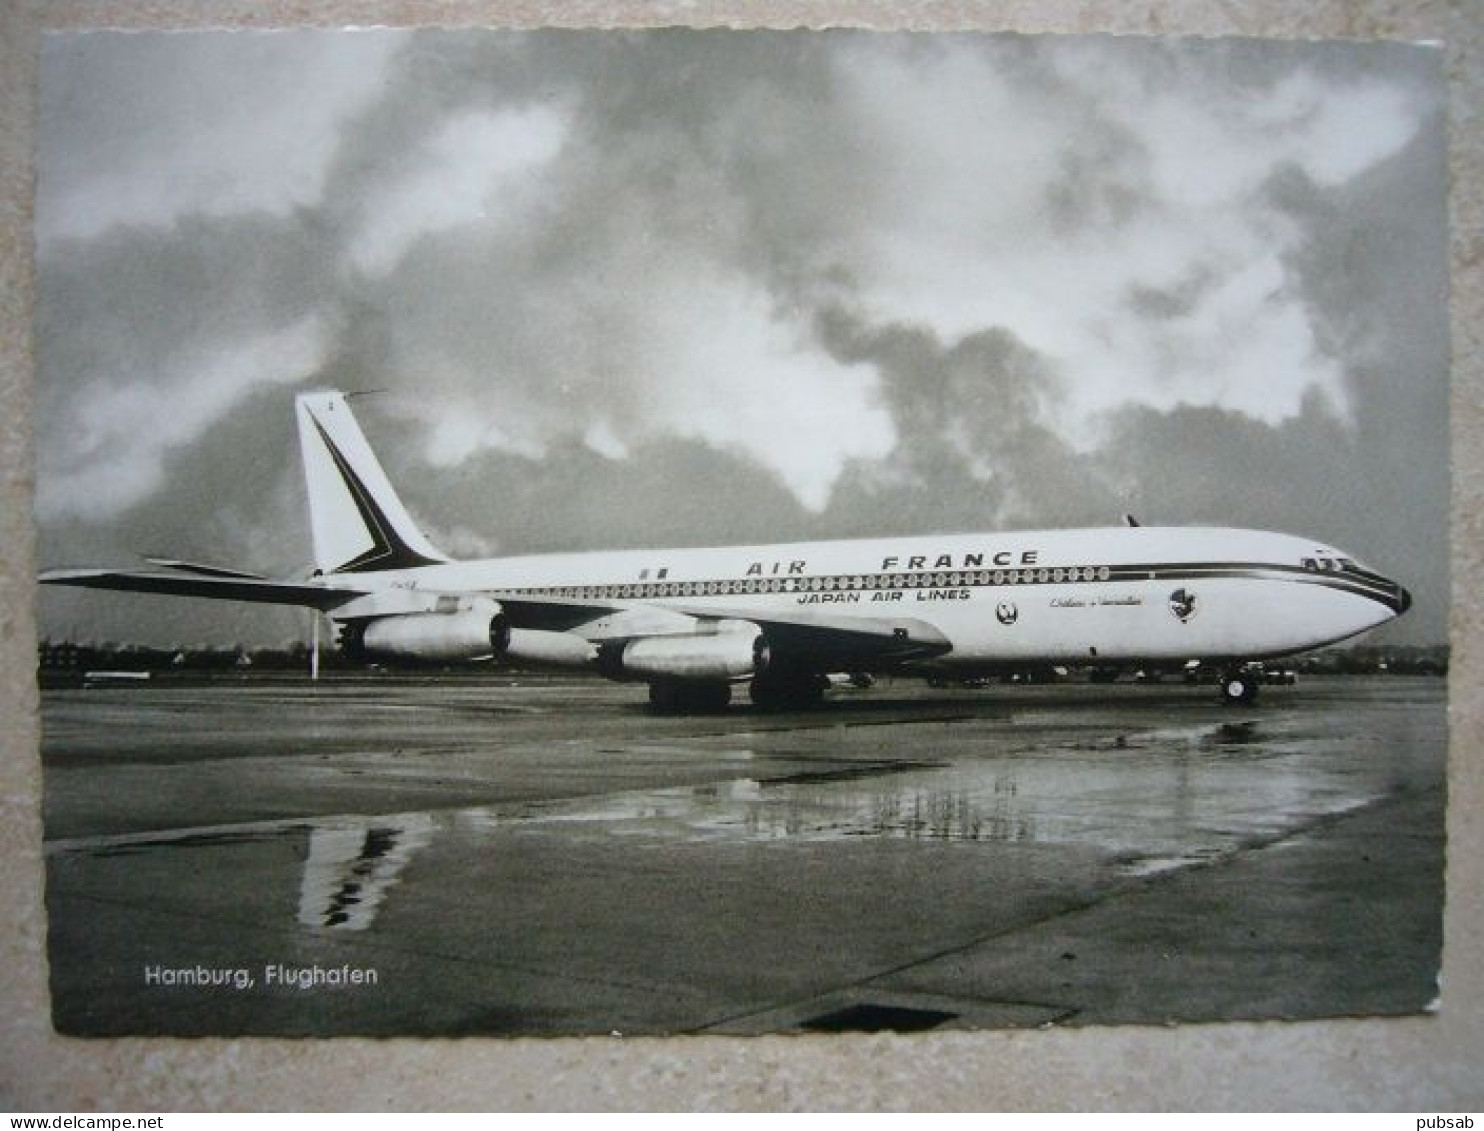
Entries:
{"x":1393,"y":595}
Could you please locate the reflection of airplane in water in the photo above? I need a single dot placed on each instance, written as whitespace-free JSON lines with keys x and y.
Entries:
{"x":691,"y":623}
{"x":352,"y":863}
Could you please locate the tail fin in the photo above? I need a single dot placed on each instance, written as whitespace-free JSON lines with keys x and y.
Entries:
{"x":357,"y":521}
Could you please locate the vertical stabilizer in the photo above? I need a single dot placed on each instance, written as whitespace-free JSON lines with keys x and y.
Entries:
{"x":357,"y":521}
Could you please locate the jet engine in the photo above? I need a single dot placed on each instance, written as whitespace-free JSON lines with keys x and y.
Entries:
{"x":535,"y":646}
{"x":459,"y":629}
{"x":731,"y":650}
{"x":436,"y":637}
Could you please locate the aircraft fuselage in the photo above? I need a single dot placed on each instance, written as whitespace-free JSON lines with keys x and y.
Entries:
{"x":1114,"y":595}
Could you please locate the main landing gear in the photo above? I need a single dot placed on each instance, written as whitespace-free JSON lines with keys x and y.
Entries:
{"x":689,"y":697}
{"x":1239,"y":686}
{"x":771,"y":691}
{"x":775,"y":690}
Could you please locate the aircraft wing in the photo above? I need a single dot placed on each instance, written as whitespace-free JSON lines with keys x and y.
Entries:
{"x":825,"y":639}
{"x":556,"y":614}
{"x":815,"y":637}
{"x":189,"y":584}
{"x":818,"y":638}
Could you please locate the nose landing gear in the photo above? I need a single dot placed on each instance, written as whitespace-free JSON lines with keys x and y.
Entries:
{"x":1239,"y":686}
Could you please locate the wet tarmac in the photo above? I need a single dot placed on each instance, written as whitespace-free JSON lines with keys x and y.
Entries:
{"x":545,"y":857}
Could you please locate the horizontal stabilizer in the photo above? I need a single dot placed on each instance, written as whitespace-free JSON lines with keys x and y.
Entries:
{"x":207,"y":570}
{"x":228,"y":588}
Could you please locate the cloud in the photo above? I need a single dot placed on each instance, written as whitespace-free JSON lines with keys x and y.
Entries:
{"x":147,"y":338}
{"x":120,"y":434}
{"x":478,"y":166}
{"x":147,"y":128}
{"x":789,"y":406}
{"x":686,"y":287}
{"x":1042,"y":187}
{"x":978,"y":447}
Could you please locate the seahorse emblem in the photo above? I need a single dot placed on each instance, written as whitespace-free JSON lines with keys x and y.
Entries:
{"x":1182,"y":604}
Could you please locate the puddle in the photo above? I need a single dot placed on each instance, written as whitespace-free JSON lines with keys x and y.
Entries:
{"x":1158,"y":865}
{"x":849,"y":773}
{"x":152,"y":842}
{"x":1235,"y":734}
{"x":351,"y":865}
{"x":1184,"y":800}
{"x":906,"y":800}
{"x":1326,"y":809}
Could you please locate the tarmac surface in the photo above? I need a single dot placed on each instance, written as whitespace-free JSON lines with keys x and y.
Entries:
{"x":502,"y":855}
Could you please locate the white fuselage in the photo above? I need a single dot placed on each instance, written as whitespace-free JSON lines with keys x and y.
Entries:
{"x":1090,"y":596}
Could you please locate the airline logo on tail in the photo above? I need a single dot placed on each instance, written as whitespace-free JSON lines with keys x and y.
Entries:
{"x":357,"y":521}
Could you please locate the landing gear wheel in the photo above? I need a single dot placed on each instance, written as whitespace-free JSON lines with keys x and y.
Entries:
{"x":792,"y":691}
{"x":709,"y":698}
{"x":677,"y":697}
{"x":664,"y":698}
{"x":1239,"y":688}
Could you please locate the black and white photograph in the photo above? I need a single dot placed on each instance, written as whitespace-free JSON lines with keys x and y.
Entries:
{"x":657,"y":532}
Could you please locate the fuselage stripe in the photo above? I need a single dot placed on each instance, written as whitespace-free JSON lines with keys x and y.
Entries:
{"x":1360,"y":583}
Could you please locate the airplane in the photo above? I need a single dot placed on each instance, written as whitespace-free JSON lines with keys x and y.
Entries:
{"x":694,"y":623}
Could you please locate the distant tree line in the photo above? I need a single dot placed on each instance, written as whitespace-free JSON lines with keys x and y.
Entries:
{"x":66,"y":656}
{"x":63,"y":658}
{"x":1375,"y":659}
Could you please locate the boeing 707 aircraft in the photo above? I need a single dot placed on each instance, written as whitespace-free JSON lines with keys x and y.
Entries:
{"x":693,"y":623}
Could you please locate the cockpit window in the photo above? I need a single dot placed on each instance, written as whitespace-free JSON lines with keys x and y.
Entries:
{"x":1325,"y":564}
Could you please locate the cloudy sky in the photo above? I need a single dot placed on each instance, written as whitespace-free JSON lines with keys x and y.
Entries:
{"x":690,"y":288}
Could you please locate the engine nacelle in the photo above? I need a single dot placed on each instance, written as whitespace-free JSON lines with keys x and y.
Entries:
{"x":736,"y":651}
{"x":534,"y":646}
{"x":435,"y":637}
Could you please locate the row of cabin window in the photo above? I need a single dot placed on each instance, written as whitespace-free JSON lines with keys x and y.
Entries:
{"x":846,"y":582}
